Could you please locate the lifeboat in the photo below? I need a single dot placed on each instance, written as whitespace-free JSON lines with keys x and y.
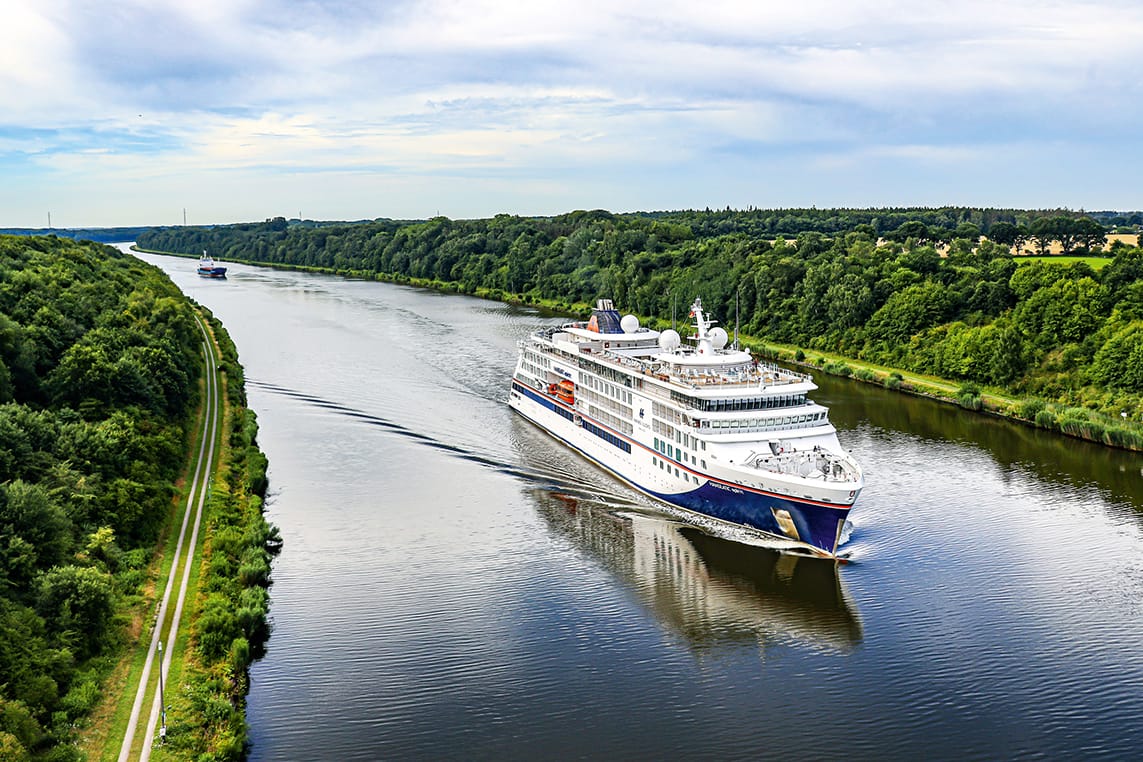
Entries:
{"x":565,"y":391}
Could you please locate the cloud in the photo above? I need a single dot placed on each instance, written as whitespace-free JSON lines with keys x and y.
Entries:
{"x":437,"y":88}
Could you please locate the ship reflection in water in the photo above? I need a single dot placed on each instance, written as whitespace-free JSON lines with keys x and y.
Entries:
{"x":712,"y":591}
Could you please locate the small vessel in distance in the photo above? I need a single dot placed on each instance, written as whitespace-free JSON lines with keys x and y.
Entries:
{"x":208,"y":269}
{"x":704,"y":427}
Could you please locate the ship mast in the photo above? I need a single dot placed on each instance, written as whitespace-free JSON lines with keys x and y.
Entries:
{"x":702,"y":324}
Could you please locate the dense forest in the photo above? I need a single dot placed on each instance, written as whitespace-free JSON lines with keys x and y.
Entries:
{"x":915,"y":289}
{"x":100,"y":361}
{"x":100,"y":235}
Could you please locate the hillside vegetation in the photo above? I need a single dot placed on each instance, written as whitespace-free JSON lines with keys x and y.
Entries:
{"x":868,"y":284}
{"x":99,"y":361}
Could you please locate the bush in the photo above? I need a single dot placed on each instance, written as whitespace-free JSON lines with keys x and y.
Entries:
{"x":1126,"y":438}
{"x":239,"y":657}
{"x":969,"y":388}
{"x":216,"y":627}
{"x":1046,"y":419}
{"x":838,"y":369}
{"x":894,"y":380}
{"x":255,"y":570}
{"x":865,"y":374}
{"x":81,"y":699}
{"x":800,"y":356}
{"x":970,"y":401}
{"x":1029,"y":409}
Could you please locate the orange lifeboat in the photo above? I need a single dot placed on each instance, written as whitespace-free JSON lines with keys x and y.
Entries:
{"x":565,"y":391}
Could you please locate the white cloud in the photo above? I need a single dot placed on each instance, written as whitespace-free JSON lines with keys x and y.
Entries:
{"x":148,"y":87}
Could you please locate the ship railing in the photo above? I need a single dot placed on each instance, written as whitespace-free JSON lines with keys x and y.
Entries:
{"x":761,"y":428}
{"x":619,"y":359}
{"x":767,"y":375}
{"x":808,"y":464}
{"x":751,"y":381}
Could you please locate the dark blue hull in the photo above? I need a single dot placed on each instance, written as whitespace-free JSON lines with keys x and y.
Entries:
{"x":817,"y":525}
{"x":212,"y":272}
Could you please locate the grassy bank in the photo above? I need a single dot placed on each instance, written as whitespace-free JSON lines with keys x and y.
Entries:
{"x":207,"y":684}
{"x":229,"y":622}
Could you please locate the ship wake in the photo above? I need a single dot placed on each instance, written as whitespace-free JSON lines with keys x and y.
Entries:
{"x":550,"y":479}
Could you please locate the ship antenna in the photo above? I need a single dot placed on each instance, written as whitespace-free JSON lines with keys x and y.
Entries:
{"x":736,"y":293}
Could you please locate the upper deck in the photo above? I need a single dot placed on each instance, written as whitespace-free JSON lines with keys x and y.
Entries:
{"x":717,"y":374}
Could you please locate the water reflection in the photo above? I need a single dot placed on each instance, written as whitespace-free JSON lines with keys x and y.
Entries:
{"x":1014,"y":446}
{"x":713,"y":592}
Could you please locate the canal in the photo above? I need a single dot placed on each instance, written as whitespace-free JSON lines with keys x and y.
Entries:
{"x":456,"y":584}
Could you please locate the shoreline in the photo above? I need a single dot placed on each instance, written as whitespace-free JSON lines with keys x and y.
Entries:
{"x":1048,"y":416}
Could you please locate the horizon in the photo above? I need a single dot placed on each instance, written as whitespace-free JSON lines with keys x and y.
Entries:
{"x":47,"y":230}
{"x":245,"y":111}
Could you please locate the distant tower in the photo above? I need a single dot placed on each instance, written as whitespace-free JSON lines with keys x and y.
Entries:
{"x":184,"y":216}
{"x":49,"y":220}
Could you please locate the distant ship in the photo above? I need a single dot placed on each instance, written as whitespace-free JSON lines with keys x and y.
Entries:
{"x":208,"y":269}
{"x":703,"y":427}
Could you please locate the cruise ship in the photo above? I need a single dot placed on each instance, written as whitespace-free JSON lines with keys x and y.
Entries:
{"x":699,"y":425}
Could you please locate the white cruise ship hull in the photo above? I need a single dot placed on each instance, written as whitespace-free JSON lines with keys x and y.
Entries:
{"x":788,"y":508}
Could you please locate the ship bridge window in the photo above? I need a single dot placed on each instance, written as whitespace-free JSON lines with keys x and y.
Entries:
{"x":738,"y":403}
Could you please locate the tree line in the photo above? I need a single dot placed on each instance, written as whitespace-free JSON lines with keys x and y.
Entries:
{"x":911,"y":297}
{"x":99,"y":366}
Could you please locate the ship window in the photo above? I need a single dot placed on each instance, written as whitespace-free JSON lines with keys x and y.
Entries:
{"x":704,"y":463}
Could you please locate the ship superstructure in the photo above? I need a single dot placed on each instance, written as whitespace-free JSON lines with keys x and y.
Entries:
{"x":701,"y":426}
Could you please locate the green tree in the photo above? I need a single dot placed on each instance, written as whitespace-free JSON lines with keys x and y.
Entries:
{"x":34,"y":534}
{"x":1043,"y":232}
{"x":1119,"y":362}
{"x":1089,"y":235}
{"x":909,"y":311}
{"x":1008,"y":234}
{"x":76,"y":602}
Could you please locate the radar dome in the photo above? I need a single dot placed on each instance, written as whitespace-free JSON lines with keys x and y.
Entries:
{"x":669,"y":340}
{"x":718,"y":338}
{"x":629,"y":324}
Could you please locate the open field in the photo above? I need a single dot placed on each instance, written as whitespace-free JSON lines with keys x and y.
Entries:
{"x":1096,"y":263}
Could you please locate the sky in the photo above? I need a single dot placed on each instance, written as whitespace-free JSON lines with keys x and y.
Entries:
{"x":128,"y":112}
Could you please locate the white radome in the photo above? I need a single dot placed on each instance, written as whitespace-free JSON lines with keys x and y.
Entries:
{"x":629,"y":324}
{"x":669,"y":340}
{"x":718,"y":338}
